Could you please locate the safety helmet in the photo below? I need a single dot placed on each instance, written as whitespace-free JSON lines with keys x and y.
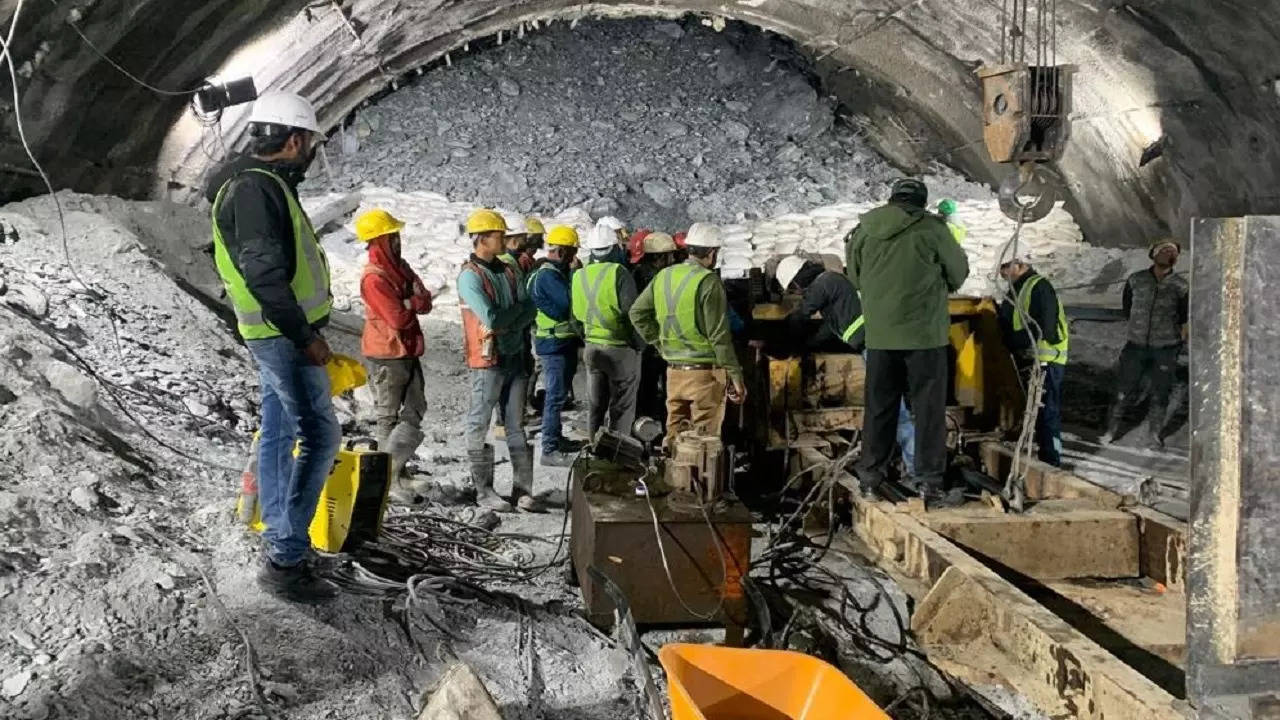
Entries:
{"x":515,"y":225}
{"x":285,"y":109}
{"x":485,"y":220}
{"x":658,"y":242}
{"x":376,"y":223}
{"x":610,"y":222}
{"x":947,"y":206}
{"x":534,"y":226}
{"x":562,"y":236}
{"x":788,"y":269}
{"x":704,"y":235}
{"x":1156,"y":246}
{"x":601,"y":237}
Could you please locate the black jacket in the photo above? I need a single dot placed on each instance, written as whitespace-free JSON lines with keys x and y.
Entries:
{"x":833,"y":295}
{"x":1157,"y":308}
{"x":258,"y":232}
{"x":1043,"y":309}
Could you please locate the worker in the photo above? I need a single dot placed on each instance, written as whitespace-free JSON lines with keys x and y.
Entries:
{"x":556,"y":340}
{"x":533,"y":243}
{"x":947,"y":209}
{"x":494,"y":316}
{"x":685,"y":313}
{"x":611,"y":227}
{"x":831,"y":294}
{"x":603,"y":292}
{"x":659,"y":253}
{"x":904,"y":262}
{"x":515,"y":240}
{"x":1155,"y":301}
{"x":277,"y":279}
{"x":1034,"y":327}
{"x":515,"y":255}
{"x":392,"y":343}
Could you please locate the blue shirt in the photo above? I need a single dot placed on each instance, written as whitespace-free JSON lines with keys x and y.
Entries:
{"x":508,"y":316}
{"x":550,"y":292}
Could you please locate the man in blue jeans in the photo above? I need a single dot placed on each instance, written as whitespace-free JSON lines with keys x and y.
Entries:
{"x":556,"y":339}
{"x":277,"y":279}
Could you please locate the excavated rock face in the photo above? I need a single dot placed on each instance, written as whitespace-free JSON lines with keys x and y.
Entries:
{"x":1196,"y":79}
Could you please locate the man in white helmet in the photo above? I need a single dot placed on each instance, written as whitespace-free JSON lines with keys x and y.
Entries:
{"x":609,"y":233}
{"x":277,"y":279}
{"x":685,"y":313}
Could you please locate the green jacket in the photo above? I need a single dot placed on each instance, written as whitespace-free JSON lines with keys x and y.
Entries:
{"x":904,"y":262}
{"x":711,"y":316}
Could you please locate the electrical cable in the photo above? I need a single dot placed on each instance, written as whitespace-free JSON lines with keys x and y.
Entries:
{"x":126,"y":73}
{"x":657,"y":534}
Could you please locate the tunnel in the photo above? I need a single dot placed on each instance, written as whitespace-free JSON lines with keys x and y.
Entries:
{"x":1190,"y":87}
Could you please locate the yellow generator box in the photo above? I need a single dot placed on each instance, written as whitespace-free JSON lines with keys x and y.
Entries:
{"x":351,"y":503}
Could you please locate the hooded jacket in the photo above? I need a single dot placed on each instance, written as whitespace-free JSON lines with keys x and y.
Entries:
{"x":393,"y":298}
{"x":258,"y":233}
{"x":904,"y":262}
{"x":830,"y":294}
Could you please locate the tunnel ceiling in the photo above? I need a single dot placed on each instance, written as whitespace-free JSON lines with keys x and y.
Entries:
{"x":1197,"y":80}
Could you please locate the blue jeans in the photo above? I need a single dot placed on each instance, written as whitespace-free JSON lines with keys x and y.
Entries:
{"x":1049,"y":420}
{"x":296,"y":408}
{"x":558,"y":370}
{"x":907,"y":439}
{"x":502,"y":386}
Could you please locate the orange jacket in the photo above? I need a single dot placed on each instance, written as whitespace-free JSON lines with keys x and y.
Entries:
{"x":393,"y":298}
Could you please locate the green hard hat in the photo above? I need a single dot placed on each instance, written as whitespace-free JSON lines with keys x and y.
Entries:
{"x":947,"y":206}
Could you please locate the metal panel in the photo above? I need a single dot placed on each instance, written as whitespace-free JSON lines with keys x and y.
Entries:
{"x":1233,"y":574}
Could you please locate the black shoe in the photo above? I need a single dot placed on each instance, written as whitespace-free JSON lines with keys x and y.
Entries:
{"x":571,"y":446}
{"x":934,"y":498}
{"x":296,"y":584}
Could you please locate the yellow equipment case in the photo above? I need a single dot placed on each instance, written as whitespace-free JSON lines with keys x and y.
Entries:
{"x":351,"y":504}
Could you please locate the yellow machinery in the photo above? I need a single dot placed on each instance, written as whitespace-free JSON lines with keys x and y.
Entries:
{"x":824,"y":394}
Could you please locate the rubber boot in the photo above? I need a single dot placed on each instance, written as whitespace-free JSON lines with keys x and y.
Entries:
{"x":482,"y":478}
{"x":401,"y":445}
{"x":1113,"y":421}
{"x":1155,"y":426}
{"x":522,"y":480}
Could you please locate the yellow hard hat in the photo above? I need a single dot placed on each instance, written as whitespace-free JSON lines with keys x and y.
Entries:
{"x":376,"y":223}
{"x":562,"y":235}
{"x":534,"y":226}
{"x":345,"y":373}
{"x":484,"y":221}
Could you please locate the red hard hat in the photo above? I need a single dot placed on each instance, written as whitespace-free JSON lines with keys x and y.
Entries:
{"x":679,"y":238}
{"x":635,"y":245}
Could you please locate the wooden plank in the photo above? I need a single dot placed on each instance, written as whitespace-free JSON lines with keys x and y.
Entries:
{"x":1010,"y":638}
{"x":1045,"y":482}
{"x":1163,"y":553}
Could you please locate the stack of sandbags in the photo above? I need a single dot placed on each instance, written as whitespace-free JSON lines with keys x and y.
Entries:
{"x":737,"y":257}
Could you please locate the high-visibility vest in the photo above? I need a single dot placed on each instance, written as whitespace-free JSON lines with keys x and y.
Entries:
{"x":310,"y":282}
{"x":1045,"y":351}
{"x":595,"y":304}
{"x":479,"y":344}
{"x":958,"y":231}
{"x":675,"y":301}
{"x":545,"y":325}
{"x":514,"y":262}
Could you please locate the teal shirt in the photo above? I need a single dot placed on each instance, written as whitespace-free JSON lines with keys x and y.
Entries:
{"x":508,"y":317}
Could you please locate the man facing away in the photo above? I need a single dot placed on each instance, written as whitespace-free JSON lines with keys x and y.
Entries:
{"x":1156,"y":303}
{"x":831,"y":293}
{"x":905,"y":262}
{"x":603,"y":293}
{"x":556,"y":340}
{"x":1034,"y":326}
{"x":659,"y":254}
{"x":685,"y":313}
{"x":495,"y":314}
{"x":277,"y":278}
{"x":392,"y":343}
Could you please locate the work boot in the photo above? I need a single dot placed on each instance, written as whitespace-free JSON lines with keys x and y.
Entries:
{"x":522,"y":480}
{"x":1155,"y":427}
{"x":482,"y":478}
{"x":1114,"y":414}
{"x":557,"y":458}
{"x":404,"y":491}
{"x":401,"y":445}
{"x":570,"y":446}
{"x":937,"y":498}
{"x":295,"y":583}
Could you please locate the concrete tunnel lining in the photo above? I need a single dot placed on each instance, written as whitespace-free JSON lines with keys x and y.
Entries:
{"x":1139,"y":82}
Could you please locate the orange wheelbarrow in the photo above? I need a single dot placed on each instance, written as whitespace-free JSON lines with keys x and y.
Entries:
{"x":707,"y":682}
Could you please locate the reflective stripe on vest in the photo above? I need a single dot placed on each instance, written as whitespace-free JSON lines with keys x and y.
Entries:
{"x":595,"y":304}
{"x":1045,"y":351}
{"x":675,"y":300}
{"x":310,"y":282}
{"x":853,"y":328}
{"x":548,"y":327}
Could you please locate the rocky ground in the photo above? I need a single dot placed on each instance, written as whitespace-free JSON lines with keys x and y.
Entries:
{"x":661,"y":123}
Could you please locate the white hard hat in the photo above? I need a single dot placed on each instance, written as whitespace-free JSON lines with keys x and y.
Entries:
{"x":601,"y":237}
{"x":788,"y":269}
{"x":658,"y":242}
{"x":515,"y":225}
{"x":704,"y":235}
{"x":610,"y":222}
{"x":282,"y":108}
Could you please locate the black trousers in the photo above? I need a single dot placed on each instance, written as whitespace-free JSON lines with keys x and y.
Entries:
{"x":920,"y":376}
{"x":1136,"y":362}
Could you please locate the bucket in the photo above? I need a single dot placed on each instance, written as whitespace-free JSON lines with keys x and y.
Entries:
{"x":707,"y":682}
